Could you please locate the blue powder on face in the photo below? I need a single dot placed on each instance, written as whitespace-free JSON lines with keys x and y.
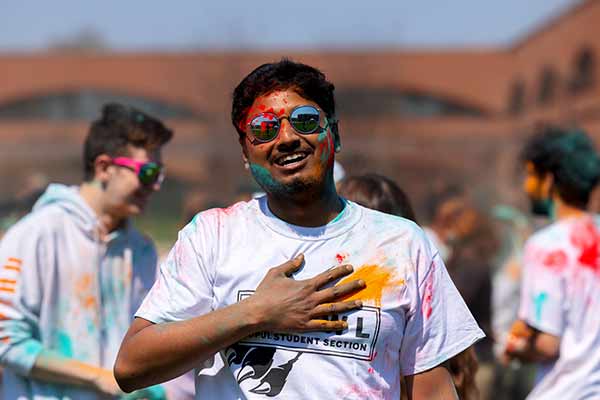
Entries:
{"x":265,"y":180}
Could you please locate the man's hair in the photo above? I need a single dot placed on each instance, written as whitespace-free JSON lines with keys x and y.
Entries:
{"x":305,"y":80}
{"x":118,"y":127}
{"x":378,"y":193}
{"x":569,"y":155}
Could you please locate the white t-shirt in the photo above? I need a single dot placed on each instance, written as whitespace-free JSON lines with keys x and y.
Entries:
{"x":412,"y":318}
{"x":561,"y":296}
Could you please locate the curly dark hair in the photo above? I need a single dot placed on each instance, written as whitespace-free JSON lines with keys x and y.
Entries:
{"x":120,"y":126}
{"x":305,"y":80}
{"x":569,"y":155}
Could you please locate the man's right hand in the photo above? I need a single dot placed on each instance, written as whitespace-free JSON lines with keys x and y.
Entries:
{"x":288,"y":305}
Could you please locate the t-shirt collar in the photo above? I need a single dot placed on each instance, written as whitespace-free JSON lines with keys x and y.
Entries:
{"x":347,"y":218}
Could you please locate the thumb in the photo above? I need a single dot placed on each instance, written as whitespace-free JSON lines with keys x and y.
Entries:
{"x":293,"y":265}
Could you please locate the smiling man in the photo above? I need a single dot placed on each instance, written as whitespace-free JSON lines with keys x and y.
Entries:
{"x":74,"y":270}
{"x":559,"y":328}
{"x":287,"y":332}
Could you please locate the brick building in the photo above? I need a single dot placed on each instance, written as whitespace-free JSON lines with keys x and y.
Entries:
{"x":421,"y":117}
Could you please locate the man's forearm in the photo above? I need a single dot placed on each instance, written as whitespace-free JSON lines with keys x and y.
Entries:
{"x":51,"y":367}
{"x":152,"y":354}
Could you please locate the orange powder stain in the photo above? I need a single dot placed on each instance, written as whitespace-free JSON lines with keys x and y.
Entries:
{"x":377,"y":278}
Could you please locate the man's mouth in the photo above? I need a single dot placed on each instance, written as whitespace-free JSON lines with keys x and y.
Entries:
{"x":292,"y":159}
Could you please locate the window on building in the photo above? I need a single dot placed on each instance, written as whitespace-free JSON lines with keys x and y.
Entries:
{"x":584,"y":70}
{"x":393,"y":102}
{"x":548,"y":82}
{"x":86,"y":105}
{"x":516,"y":100}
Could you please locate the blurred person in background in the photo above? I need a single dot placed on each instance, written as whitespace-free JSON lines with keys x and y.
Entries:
{"x":74,"y":270}
{"x":381,"y":193}
{"x":558,"y":326}
{"x":474,"y":246}
{"x":515,"y":381}
{"x":217,"y":295}
{"x":450,"y":220}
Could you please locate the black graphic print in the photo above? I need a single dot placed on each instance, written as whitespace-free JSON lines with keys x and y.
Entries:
{"x":257,"y":363}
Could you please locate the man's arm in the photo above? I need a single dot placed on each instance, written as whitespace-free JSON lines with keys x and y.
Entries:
{"x":531,"y":345}
{"x":52,"y":367}
{"x":434,"y":384}
{"x":153,"y":353}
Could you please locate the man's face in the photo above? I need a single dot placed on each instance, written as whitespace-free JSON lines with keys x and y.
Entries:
{"x":538,"y":190}
{"x":125,"y":195}
{"x":292,"y":162}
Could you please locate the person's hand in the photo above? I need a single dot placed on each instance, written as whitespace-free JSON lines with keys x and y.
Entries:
{"x":287,"y":305}
{"x":517,"y":341}
{"x":106,"y":383}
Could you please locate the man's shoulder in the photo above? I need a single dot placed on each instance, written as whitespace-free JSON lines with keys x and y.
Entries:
{"x":383,"y":221}
{"x":47,"y":219}
{"x":553,"y":234}
{"x":216,"y":215}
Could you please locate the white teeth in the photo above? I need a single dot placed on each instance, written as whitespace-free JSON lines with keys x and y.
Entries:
{"x":290,"y":158}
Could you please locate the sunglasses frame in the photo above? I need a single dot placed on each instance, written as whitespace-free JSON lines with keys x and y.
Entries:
{"x":320,"y":129}
{"x":138,"y":166}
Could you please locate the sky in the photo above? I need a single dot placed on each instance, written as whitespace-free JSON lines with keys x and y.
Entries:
{"x":152,"y":25}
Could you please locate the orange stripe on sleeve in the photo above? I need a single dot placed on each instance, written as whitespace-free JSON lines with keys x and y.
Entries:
{"x":13,"y":268}
{"x":15,"y":260}
{"x":7,"y":289}
{"x":9,"y":281}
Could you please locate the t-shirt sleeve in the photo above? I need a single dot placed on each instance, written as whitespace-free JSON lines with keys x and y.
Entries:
{"x":438,"y":324}
{"x":543,"y":289}
{"x":184,"y":285}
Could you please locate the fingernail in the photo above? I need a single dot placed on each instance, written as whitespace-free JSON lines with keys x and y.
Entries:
{"x":358,"y":303}
{"x":349,"y":268}
{"x":362,"y":283}
{"x":345,"y":325}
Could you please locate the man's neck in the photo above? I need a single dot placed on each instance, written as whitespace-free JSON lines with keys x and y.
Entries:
{"x":309,"y":210}
{"x":563,"y":210}
{"x":93,"y":195}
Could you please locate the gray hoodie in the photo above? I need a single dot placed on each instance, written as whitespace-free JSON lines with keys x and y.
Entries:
{"x":64,"y":289}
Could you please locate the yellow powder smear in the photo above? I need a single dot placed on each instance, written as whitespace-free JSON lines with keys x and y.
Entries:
{"x":377,"y":278}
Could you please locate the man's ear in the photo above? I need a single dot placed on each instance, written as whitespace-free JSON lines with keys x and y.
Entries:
{"x":337,"y":141}
{"x":547,"y":185}
{"x":243,"y":144}
{"x":101,"y":165}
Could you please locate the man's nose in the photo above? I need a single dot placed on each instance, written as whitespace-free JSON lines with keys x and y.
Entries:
{"x":288,"y":137}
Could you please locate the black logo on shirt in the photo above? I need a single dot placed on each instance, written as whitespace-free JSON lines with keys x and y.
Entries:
{"x":253,"y":357}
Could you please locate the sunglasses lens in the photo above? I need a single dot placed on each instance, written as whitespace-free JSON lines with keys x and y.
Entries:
{"x":305,"y":119}
{"x":264,"y":127}
{"x":150,"y":173}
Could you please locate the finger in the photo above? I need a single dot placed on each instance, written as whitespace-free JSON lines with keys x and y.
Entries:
{"x":324,"y":325}
{"x":336,"y":308}
{"x":331,"y":275}
{"x":340,"y":291}
{"x":289,"y":267}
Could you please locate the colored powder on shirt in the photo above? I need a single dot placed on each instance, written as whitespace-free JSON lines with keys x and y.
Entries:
{"x":377,"y":279}
{"x":585,"y":238}
{"x":556,"y":260}
{"x":538,"y":302}
{"x":65,"y":347}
